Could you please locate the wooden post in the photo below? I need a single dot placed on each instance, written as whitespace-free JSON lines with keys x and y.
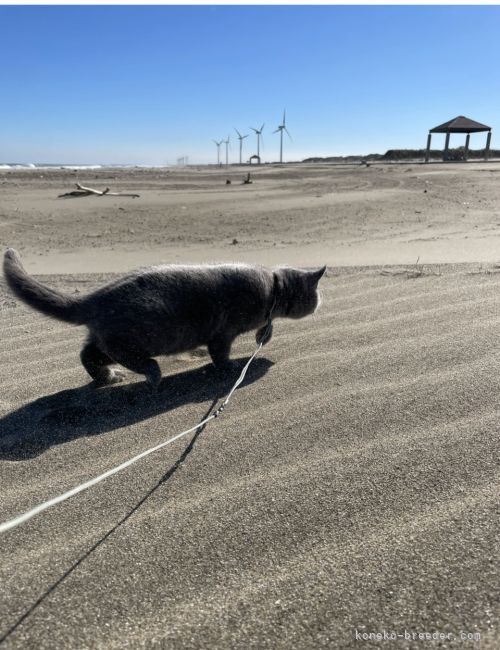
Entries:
{"x":446,"y":146}
{"x":427,"y":151}
{"x":466,"y":152}
{"x":487,"y":150}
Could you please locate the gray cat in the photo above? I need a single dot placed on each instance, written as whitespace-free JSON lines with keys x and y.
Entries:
{"x":168,"y":309}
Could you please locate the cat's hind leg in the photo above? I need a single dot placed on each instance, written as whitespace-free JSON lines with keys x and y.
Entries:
{"x":96,"y":363}
{"x":134,"y":358}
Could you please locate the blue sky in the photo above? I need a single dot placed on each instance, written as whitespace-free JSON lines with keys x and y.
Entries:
{"x":146,"y":84}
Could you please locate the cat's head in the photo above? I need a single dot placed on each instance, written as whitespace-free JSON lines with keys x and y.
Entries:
{"x":298,"y":294}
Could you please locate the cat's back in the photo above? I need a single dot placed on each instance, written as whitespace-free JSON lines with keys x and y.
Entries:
{"x":174,"y":287}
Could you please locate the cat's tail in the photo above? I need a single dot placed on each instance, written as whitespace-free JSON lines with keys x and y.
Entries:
{"x":33,"y":293}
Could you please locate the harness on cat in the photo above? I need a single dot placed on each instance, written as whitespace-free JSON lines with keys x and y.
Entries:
{"x":274,"y":295}
{"x":16,"y":521}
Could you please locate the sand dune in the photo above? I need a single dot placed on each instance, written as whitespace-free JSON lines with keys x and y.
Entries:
{"x":352,"y":484}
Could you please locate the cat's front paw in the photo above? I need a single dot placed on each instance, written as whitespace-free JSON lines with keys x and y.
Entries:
{"x":264,"y":334}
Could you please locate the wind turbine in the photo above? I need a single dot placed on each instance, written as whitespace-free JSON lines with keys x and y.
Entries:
{"x":259,"y":133}
{"x":281,"y":128}
{"x":241,"y":138}
{"x":218,"y":144}
{"x":226,"y":142}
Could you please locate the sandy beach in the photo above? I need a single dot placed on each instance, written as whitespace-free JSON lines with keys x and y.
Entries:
{"x":351,"y":487}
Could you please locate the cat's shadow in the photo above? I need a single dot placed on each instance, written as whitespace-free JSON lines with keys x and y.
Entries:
{"x":85,"y":411}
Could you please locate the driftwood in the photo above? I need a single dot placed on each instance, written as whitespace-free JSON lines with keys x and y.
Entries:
{"x":89,"y":191}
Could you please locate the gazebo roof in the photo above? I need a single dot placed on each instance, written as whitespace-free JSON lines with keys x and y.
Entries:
{"x":461,"y":124}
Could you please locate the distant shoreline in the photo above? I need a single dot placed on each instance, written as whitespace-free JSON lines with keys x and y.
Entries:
{"x":392,"y":156}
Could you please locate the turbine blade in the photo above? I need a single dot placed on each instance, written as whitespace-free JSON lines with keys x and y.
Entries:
{"x":262,"y":127}
{"x":287,"y":132}
{"x":277,"y":130}
{"x":239,"y":134}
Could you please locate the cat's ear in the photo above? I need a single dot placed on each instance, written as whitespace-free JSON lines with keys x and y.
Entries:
{"x":315,"y":276}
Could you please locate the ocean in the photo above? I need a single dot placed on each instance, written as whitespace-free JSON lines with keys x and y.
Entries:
{"x":28,"y":166}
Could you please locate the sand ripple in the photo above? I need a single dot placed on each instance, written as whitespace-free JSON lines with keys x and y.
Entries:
{"x":352,"y":484}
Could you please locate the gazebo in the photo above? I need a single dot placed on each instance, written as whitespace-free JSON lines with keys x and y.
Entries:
{"x":459,"y":124}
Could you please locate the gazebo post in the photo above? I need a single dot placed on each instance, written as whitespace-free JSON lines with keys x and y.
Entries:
{"x":487,"y":150}
{"x":466,"y":153}
{"x":428,"y":150}
{"x":446,"y":146}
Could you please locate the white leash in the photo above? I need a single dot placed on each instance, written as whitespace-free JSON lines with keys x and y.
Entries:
{"x":16,"y":521}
